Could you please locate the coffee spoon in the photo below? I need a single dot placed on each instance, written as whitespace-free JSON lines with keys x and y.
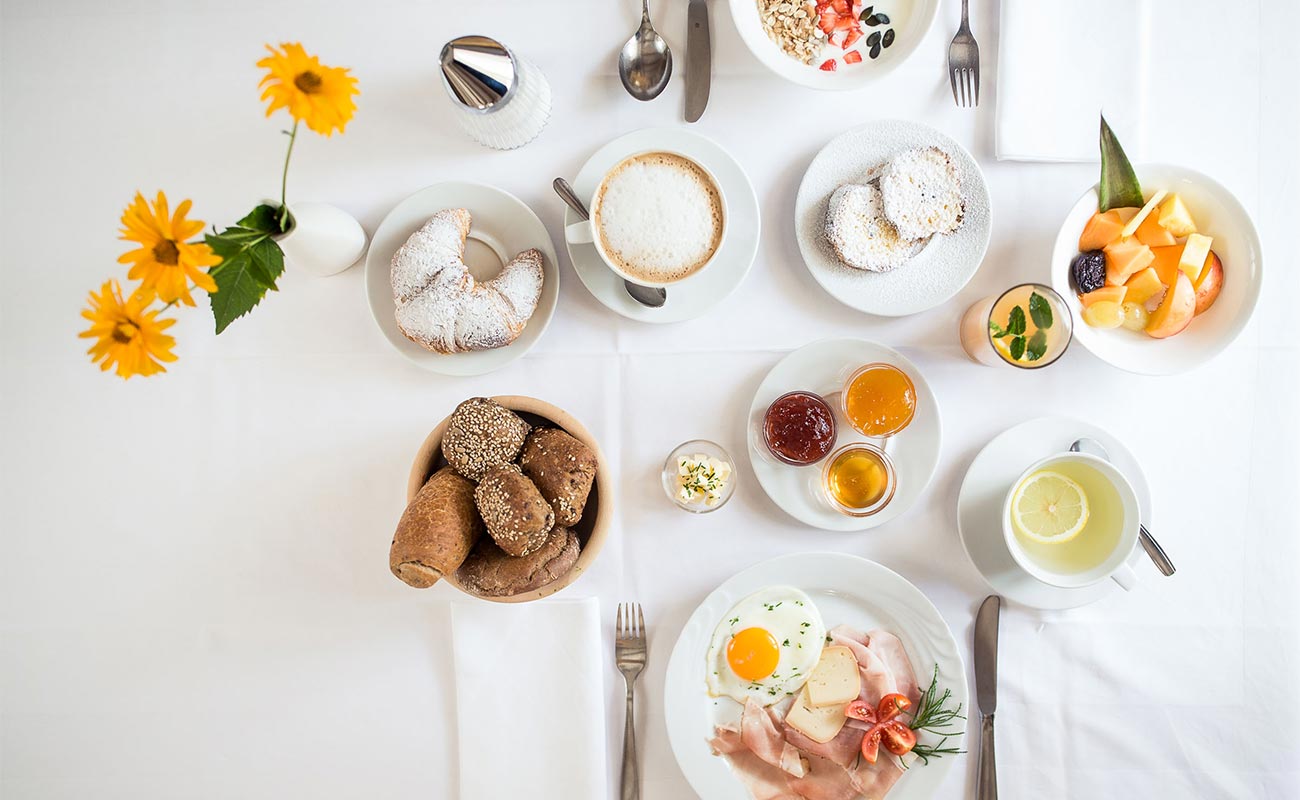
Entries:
{"x":645,"y":62}
{"x":1094,"y":448}
{"x":645,"y":295}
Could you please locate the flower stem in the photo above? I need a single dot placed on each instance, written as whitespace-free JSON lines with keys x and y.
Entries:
{"x":284,"y":180}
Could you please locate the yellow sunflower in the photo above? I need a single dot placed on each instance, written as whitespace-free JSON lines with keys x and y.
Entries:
{"x":165,"y":263}
{"x":318,"y":95}
{"x":126,"y":334}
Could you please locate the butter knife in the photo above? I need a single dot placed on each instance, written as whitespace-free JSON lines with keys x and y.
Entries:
{"x":699,"y":59}
{"x":986,"y":691}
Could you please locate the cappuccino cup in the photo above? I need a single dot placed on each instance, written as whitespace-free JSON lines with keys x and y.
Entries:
{"x":657,"y":218}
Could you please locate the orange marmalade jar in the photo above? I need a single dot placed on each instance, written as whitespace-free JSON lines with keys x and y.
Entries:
{"x":879,"y":400}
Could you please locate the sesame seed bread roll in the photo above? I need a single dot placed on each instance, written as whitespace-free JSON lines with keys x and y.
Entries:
{"x":563,"y":469}
{"x":482,"y":434}
{"x":437,"y":530}
{"x":517,"y":517}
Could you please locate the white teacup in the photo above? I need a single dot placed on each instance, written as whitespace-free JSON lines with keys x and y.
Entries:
{"x":1112,"y":564}
{"x":694,"y":236}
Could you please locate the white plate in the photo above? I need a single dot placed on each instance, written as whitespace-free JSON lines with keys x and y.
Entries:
{"x":1217,"y":214}
{"x":910,"y":19}
{"x":932,"y":276}
{"x":847,"y":590}
{"x":821,"y":368}
{"x":703,"y":290}
{"x":501,"y":223}
{"x":985,"y":487}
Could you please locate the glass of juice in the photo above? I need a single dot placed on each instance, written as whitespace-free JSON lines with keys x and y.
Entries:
{"x":1071,"y":520}
{"x":1028,"y":326}
{"x":859,"y":479}
{"x":878,"y":400}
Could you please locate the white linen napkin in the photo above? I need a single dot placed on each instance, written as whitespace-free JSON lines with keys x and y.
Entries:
{"x":1060,"y":63}
{"x":530,"y":700}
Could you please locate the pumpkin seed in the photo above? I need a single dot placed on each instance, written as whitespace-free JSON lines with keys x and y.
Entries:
{"x":883,"y":19}
{"x":873,"y":39}
{"x":888,"y":38}
{"x":872,"y":20}
{"x":875,"y":50}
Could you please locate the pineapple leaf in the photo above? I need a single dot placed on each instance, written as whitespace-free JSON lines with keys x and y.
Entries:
{"x":1119,"y":187}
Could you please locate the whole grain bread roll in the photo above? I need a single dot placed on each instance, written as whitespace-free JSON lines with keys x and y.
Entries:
{"x":563,"y":468}
{"x":482,"y":434}
{"x":437,"y":530}
{"x":489,"y":572}
{"x":517,"y":517}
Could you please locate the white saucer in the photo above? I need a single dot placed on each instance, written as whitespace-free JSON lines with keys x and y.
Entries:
{"x":990,"y":476}
{"x":700,"y":292}
{"x":502,"y":224}
{"x":821,"y":368}
{"x":932,"y":276}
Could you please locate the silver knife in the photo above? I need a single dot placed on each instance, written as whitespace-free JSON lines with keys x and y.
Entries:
{"x":986,"y":691}
{"x":699,"y":59}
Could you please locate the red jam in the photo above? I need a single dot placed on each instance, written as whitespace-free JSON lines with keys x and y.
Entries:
{"x":799,"y":428}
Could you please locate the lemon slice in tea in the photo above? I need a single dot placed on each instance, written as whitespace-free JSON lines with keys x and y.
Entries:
{"x":1050,"y":508}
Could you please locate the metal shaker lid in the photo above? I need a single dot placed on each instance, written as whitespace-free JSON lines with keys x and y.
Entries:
{"x":480,"y":73}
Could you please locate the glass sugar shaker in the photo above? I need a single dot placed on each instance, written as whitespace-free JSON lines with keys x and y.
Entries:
{"x":497,"y":98}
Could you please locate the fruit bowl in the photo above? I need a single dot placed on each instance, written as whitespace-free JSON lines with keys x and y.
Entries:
{"x":1216,"y":211}
{"x":592,"y":530}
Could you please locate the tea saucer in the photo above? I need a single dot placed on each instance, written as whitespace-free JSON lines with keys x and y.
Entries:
{"x":989,"y":478}
{"x":700,"y":292}
{"x":821,"y":368}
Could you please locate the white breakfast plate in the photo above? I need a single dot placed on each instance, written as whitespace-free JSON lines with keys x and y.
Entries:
{"x":932,"y":276}
{"x":703,"y":290}
{"x":821,"y":368}
{"x":847,"y":590}
{"x":984,"y":489}
{"x":501,"y":228}
{"x":910,"y":19}
{"x":1218,"y":214}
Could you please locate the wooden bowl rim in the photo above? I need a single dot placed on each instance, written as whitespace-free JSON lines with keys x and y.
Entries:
{"x":562,"y":419}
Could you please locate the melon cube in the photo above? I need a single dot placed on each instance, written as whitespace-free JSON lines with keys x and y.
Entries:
{"x":1143,"y":286}
{"x":1106,"y":294}
{"x":1125,"y":257}
{"x":1101,"y":230}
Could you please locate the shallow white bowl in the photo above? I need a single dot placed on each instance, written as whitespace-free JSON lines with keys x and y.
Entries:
{"x":1217,"y":214}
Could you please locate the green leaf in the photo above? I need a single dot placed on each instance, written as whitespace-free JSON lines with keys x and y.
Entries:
{"x":1037,"y":345}
{"x":263,"y":219}
{"x":1016,"y":324}
{"x":997,"y":330}
{"x":1119,"y":187}
{"x":1017,"y":348}
{"x":1040,"y":311}
{"x":251,"y":262}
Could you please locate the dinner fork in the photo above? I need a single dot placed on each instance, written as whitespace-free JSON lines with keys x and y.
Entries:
{"x":629,"y":655}
{"x":964,"y":63}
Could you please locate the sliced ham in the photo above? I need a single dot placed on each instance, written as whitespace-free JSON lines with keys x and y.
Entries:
{"x":825,"y":780}
{"x":890,"y":651}
{"x":764,"y":781}
{"x":842,"y":750}
{"x":872,"y":781}
{"x":761,"y":735}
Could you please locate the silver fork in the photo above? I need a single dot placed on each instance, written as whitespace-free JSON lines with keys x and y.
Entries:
{"x":964,"y":63}
{"x":629,"y":655}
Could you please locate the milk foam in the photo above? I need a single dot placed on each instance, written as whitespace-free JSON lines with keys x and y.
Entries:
{"x":659,"y":217}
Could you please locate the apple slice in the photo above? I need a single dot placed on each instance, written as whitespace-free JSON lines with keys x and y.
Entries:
{"x":1176,"y":311}
{"x":1209,"y":283}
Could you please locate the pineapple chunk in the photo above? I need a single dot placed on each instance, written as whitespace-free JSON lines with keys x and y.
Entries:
{"x":1195,"y":252}
{"x":1175,"y":218}
{"x":1131,"y":226}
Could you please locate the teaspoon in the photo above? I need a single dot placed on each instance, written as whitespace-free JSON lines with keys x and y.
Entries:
{"x":645,"y":295}
{"x":645,"y":62}
{"x":1149,"y":543}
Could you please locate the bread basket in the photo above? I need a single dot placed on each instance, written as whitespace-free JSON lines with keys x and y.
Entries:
{"x":591,"y":530}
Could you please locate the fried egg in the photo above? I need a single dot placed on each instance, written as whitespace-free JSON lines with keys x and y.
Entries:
{"x":766,"y":646}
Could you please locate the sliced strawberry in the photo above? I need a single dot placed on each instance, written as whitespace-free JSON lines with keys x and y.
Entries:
{"x":846,"y":23}
{"x":829,"y":65}
{"x":836,"y":39}
{"x":853,"y":36}
{"x":852,"y":57}
{"x":841,"y":6}
{"x":826,"y":20}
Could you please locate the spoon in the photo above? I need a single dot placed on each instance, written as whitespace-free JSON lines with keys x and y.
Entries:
{"x":645,"y":295}
{"x":1149,"y":544}
{"x":645,"y":62}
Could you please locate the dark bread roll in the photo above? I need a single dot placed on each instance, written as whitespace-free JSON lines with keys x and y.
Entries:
{"x":436,"y":531}
{"x":516,"y":515}
{"x":482,"y":434}
{"x":563,"y":469}
{"x":490,"y":572}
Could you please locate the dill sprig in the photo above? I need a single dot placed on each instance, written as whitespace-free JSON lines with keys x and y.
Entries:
{"x":933,"y":716}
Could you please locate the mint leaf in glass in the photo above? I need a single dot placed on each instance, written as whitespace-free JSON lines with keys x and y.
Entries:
{"x":1040,"y":311}
{"x":1017,"y":347}
{"x":1037,"y":346}
{"x":1016,"y":324}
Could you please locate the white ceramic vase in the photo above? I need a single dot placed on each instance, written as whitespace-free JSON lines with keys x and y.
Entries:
{"x":324,"y":240}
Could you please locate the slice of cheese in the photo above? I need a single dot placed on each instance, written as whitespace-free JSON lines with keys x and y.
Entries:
{"x":821,"y":724}
{"x":1131,"y":227}
{"x":1192,"y":261}
{"x":835,"y":679}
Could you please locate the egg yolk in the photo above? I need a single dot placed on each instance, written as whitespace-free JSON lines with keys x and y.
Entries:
{"x":753,"y":654}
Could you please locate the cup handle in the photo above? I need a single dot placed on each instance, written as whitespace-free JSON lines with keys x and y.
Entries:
{"x":1125,"y":577}
{"x":579,"y":232}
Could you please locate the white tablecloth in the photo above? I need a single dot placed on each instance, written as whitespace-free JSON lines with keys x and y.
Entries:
{"x":194,"y":595}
